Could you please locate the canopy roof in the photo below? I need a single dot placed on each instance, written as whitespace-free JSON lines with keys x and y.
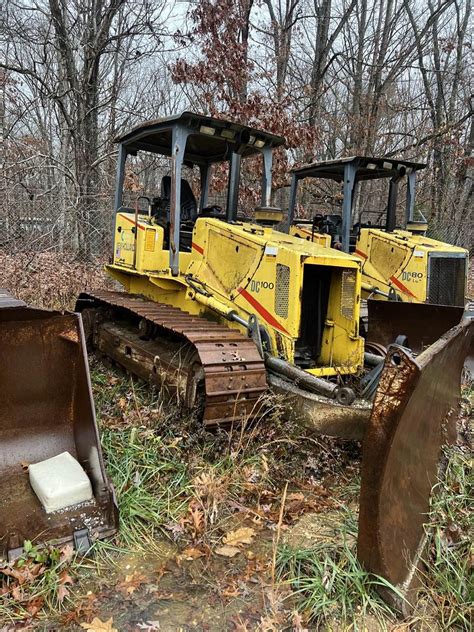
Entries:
{"x":368,"y":168}
{"x":211,"y":139}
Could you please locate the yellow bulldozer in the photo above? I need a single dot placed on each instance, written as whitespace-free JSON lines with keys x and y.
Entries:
{"x":399,"y":262}
{"x":209,"y":277}
{"x":219,"y":309}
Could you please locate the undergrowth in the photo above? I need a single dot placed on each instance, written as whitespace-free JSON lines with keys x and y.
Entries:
{"x":39,"y":581}
{"x":48,"y":279}
{"x":449,"y":584}
{"x":328,"y":583}
{"x":151,"y":485}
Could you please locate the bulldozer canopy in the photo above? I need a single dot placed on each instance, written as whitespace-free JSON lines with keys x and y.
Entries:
{"x":209,"y":142}
{"x":368,"y":168}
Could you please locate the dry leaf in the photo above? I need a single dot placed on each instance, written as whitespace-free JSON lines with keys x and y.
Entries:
{"x":295,"y":496}
{"x":297,"y":622}
{"x":66,"y":553}
{"x":35,"y":605}
{"x":268,"y":624}
{"x":197,"y":516}
{"x":191,"y":554}
{"x":257,"y":520}
{"x":227,"y":551}
{"x":131,"y":182}
{"x":97,"y":625}
{"x":131,"y":583}
{"x":17,"y":593}
{"x":62,"y":593}
{"x":232,"y":590}
{"x":26,"y":574}
{"x":64,"y":579}
{"x":244,"y":535}
{"x":20,"y":575}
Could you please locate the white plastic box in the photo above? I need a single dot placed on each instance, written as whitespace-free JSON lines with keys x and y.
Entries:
{"x":60,"y":482}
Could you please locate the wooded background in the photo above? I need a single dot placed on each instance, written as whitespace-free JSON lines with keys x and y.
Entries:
{"x":335,"y":77}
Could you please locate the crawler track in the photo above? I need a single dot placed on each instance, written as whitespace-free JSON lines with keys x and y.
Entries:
{"x":213,"y":360}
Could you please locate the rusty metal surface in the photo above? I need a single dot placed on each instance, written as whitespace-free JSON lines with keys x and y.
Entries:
{"x":319,"y":414}
{"x":414,"y":414}
{"x":46,"y":407}
{"x":233,"y":372}
{"x":422,"y":323}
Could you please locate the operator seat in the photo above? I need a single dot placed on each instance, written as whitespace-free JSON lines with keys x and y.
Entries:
{"x":188,"y":201}
{"x":188,"y":211}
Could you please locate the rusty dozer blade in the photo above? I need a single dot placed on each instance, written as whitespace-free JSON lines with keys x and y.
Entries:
{"x":46,"y":408}
{"x":414,"y":414}
{"x":421,"y":323}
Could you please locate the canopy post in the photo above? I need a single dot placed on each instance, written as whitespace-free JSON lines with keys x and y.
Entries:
{"x":120,"y":176}
{"x":391,"y":222}
{"x":349,"y":181}
{"x":410,"y":205}
{"x":266,"y":177}
{"x":233,"y":187}
{"x":292,"y":202}
{"x":179,"y":137}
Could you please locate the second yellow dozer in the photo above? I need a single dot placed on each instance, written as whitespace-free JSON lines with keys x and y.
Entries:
{"x":219,"y":310}
{"x":399,"y":262}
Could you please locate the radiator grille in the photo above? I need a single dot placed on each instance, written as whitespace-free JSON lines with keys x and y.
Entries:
{"x":447,"y":278}
{"x":348,"y":293}
{"x":282,"y":292}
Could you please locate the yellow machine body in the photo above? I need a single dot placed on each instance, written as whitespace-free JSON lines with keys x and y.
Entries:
{"x":305,"y":232}
{"x":248,"y":269}
{"x":398,"y":261}
{"x":419,"y":269}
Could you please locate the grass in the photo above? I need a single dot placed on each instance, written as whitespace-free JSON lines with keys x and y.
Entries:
{"x":151,"y":486}
{"x":328,"y":583}
{"x":449,"y":582}
{"x":167,"y":471}
{"x":149,"y":477}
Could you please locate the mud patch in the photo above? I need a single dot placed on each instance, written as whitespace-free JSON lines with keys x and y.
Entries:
{"x":209,"y":594}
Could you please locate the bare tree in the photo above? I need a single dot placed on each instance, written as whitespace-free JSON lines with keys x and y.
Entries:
{"x":70,"y":47}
